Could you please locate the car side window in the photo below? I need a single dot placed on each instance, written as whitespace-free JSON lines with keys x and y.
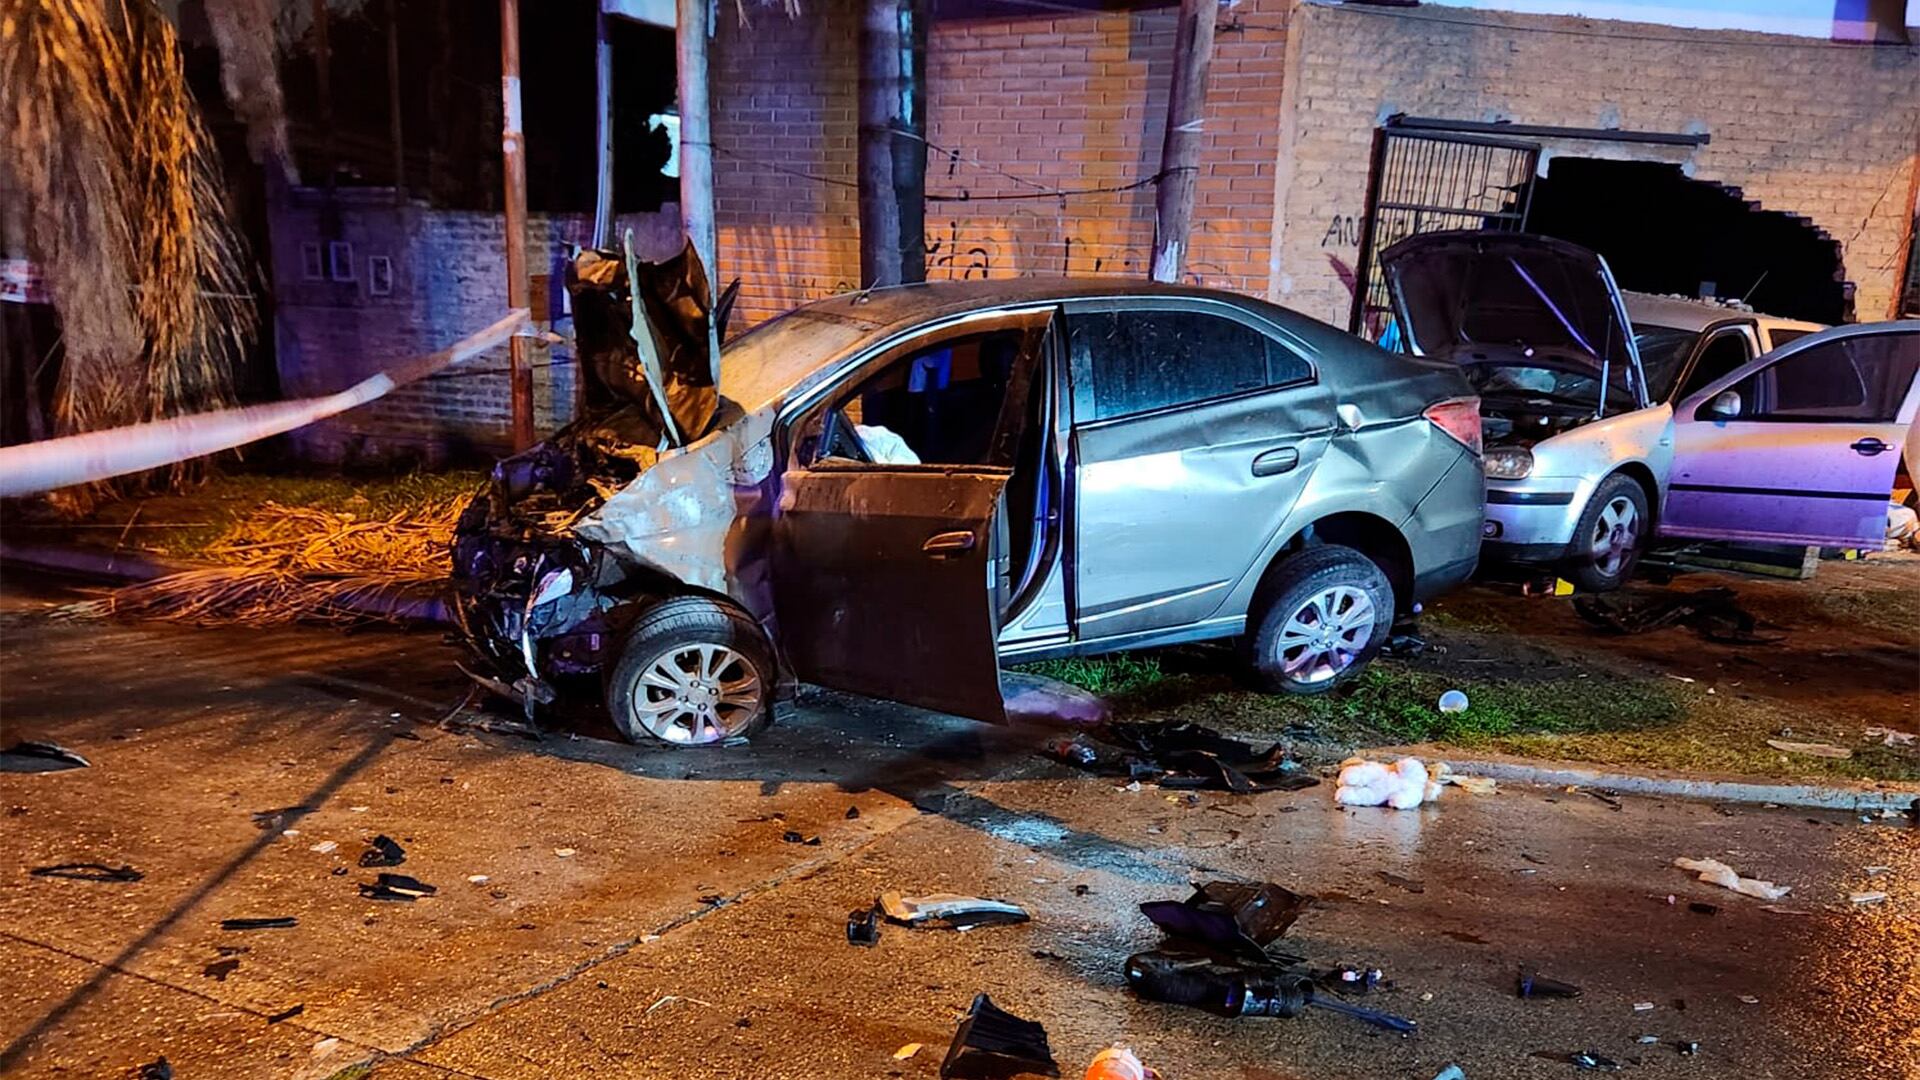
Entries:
{"x":1127,"y":362}
{"x":937,"y":405}
{"x":1860,"y":378}
{"x":1724,"y":355}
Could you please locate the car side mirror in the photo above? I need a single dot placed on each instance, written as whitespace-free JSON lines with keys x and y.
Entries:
{"x":1725,"y":404}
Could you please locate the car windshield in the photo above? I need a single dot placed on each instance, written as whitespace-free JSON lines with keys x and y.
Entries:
{"x":1569,"y":389}
{"x":777,"y":355}
{"x":1663,"y":349}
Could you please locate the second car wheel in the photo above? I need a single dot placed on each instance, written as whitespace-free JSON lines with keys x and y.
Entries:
{"x":1327,"y":611}
{"x":1610,"y":536}
{"x":694,"y":671}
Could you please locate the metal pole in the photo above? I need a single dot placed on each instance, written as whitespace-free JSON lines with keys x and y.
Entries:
{"x":602,"y":127}
{"x":394,"y":127}
{"x":696,"y":134}
{"x":323,"y":85}
{"x":1180,"y":153}
{"x":513,"y":147}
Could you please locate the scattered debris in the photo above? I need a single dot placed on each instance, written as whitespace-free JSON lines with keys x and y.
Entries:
{"x":382,"y":851}
{"x":88,"y":871}
{"x":1612,"y":800}
{"x":992,"y":1043}
{"x":325,"y":1046}
{"x":1749,"y":999}
{"x":1688,"y":1048}
{"x":863,"y":926}
{"x":269,"y":820}
{"x":324,"y":847}
{"x":1715,"y":872}
{"x":1479,"y":785}
{"x":565,"y":852}
{"x":1532,"y":984}
{"x":27,"y":756}
{"x":396,"y":887}
{"x":1890,"y":737}
{"x":157,"y":1069}
{"x":270,"y":922}
{"x":1780,"y":909}
{"x":1410,"y":884}
{"x":1403,"y":785}
{"x":1876,"y":871}
{"x":1712,"y":613}
{"x":1701,"y":907}
{"x":792,"y":837}
{"x":1184,"y":755}
{"x":1116,"y":1063}
{"x":1643,"y":1006}
{"x":1872,"y":896}
{"x":1587,"y":1059}
{"x":1228,"y":917}
{"x":906,"y":1051}
{"x":1647,"y":1040}
{"x":286,"y":1014}
{"x":1453,"y":701}
{"x":853,"y":813}
{"x":949,"y":911}
{"x":478,"y":879}
{"x":1825,"y":750}
{"x":1451,"y":1072}
{"x":218,"y":970}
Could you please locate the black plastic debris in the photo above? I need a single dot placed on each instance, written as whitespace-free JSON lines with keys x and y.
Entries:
{"x":863,"y":927}
{"x":1712,"y":613}
{"x":1226,"y":990}
{"x":1687,"y":1048}
{"x":88,"y":871}
{"x":1533,"y":984}
{"x":1232,"y":918}
{"x":27,"y":756}
{"x":853,"y":813}
{"x":1349,"y":979}
{"x":270,"y":922}
{"x":157,"y":1069}
{"x":218,"y":970}
{"x":793,"y":837}
{"x":1183,"y":755}
{"x":396,"y":887}
{"x":273,"y":820}
{"x":1588,"y":1060}
{"x":286,"y":1014}
{"x":382,"y":851}
{"x":992,"y":1043}
{"x":1701,"y":907}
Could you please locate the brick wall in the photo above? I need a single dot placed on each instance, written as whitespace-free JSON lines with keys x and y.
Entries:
{"x":448,"y":279}
{"x":1803,"y":126}
{"x":1016,"y":107}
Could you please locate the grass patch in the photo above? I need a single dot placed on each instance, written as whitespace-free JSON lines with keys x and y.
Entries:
{"x":1116,"y":675}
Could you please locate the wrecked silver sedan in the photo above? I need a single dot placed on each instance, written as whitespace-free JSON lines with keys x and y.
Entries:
{"x":895,"y":492}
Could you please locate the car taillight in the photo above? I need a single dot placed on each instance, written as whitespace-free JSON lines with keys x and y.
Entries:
{"x":1458,"y":417}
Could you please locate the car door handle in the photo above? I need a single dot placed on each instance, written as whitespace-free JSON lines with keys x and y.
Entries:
{"x":1275,"y":462}
{"x":1870,"y":446}
{"x":948,"y":543}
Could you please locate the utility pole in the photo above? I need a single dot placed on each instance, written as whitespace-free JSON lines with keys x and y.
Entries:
{"x":1180,"y":153}
{"x":395,"y":130}
{"x":696,"y":134}
{"x":602,"y":126}
{"x":323,"y":86}
{"x":892,"y":144}
{"x":513,"y":145}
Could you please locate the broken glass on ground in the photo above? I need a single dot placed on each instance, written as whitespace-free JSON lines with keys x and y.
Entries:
{"x":27,"y":756}
{"x":992,"y":1044}
{"x":1179,"y":754}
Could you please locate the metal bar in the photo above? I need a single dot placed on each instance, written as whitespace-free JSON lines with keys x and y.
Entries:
{"x":602,"y":127}
{"x":1411,"y":125}
{"x":1362,"y":282}
{"x":513,"y":147}
{"x":395,"y":131}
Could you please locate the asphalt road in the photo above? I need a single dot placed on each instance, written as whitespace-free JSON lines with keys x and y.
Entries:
{"x":643,"y":914}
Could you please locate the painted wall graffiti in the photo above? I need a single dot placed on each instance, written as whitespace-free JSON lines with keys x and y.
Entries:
{"x":1343,"y":231}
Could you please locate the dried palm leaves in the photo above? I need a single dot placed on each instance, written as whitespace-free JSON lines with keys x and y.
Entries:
{"x":289,"y":562}
{"x":112,"y":187}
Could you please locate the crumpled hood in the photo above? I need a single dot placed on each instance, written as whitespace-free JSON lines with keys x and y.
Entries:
{"x":1467,"y":296}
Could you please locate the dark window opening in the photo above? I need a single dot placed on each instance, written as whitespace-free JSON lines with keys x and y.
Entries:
{"x":940,"y":404}
{"x":1127,"y":362}
{"x":1723,"y":356}
{"x":1860,"y":379}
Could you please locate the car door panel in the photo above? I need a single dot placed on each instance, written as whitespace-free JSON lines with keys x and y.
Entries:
{"x":881,"y":572}
{"x":1173,"y":508}
{"x":1818,"y":474}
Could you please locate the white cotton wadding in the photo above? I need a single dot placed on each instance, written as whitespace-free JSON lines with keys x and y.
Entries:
{"x":1402,"y":785}
{"x":1715,"y":872}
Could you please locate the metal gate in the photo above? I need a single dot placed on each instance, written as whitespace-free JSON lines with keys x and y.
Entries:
{"x":1427,"y":181}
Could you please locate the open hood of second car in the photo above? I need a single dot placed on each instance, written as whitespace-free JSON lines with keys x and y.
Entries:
{"x":1469,"y":296}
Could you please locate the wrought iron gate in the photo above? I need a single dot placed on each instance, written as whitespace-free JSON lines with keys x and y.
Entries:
{"x":1427,"y":181}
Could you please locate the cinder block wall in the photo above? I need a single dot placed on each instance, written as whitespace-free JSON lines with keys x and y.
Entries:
{"x":1016,"y":107}
{"x":448,"y":280}
{"x":1803,"y":126}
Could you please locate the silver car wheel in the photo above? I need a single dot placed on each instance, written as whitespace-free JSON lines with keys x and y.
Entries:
{"x":695,"y":694}
{"x":1615,"y":535}
{"x":1324,"y":635}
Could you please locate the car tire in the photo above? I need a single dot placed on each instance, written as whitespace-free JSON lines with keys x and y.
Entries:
{"x":693,"y":672}
{"x":1610,"y":536}
{"x":1333,"y":586}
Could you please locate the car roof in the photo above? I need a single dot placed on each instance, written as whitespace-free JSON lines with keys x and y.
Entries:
{"x":1683,"y":313}
{"x":814,"y":336}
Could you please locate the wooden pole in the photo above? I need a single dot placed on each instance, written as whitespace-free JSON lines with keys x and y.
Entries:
{"x":395,"y":129}
{"x":696,"y":133}
{"x":323,"y":86}
{"x":892,"y":160}
{"x":1180,"y":153}
{"x":513,"y":147}
{"x":602,"y":127}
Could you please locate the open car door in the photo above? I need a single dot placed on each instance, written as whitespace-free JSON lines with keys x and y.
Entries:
{"x":882,"y":581}
{"x":1800,"y":446}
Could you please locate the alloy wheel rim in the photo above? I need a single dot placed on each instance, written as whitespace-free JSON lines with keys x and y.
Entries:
{"x":1615,"y":534}
{"x":1325,"y":634}
{"x":696,"y":694}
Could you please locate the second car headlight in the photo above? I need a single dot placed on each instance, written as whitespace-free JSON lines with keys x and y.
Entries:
{"x":1509,"y":463}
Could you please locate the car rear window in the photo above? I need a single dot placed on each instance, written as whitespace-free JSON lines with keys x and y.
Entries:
{"x":1127,"y":362}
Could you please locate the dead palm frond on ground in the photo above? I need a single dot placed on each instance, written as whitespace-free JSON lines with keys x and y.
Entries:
{"x":284,"y":563}
{"x":113,"y":189}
